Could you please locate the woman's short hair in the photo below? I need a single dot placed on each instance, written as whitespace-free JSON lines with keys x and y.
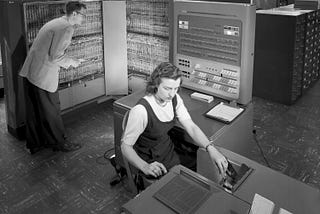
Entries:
{"x":163,"y":70}
{"x":74,"y":6}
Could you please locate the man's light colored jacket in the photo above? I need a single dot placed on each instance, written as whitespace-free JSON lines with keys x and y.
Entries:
{"x":47,"y":54}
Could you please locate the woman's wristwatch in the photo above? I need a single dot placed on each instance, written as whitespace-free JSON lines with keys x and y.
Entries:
{"x":207,"y":146}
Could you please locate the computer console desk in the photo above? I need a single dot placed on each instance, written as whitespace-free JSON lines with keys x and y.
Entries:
{"x":235,"y":142}
{"x":285,"y":192}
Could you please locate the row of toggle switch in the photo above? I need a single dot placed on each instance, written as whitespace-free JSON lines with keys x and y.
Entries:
{"x":224,"y":72}
{"x":214,"y":85}
{"x":211,"y":77}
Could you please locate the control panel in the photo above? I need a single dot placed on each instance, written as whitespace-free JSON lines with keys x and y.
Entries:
{"x":213,"y":47}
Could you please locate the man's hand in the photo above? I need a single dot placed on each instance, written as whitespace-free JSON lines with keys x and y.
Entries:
{"x":155,"y":169}
{"x":75,"y":63}
{"x":219,"y":160}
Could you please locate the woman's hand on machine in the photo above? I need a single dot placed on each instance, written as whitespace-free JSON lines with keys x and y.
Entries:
{"x":219,"y":159}
{"x":155,"y":169}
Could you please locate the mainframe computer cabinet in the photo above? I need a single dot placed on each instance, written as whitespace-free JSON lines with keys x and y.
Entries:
{"x":286,"y":62}
{"x":148,"y":29}
{"x":100,"y":41}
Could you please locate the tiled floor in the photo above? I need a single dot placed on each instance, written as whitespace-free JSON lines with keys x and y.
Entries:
{"x":55,"y":182}
{"x":290,"y":136}
{"x":78,"y":182}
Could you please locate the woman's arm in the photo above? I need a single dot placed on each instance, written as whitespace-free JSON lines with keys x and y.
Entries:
{"x":201,"y":140}
{"x":137,"y":122}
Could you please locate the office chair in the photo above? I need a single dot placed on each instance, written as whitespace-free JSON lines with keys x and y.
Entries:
{"x":187,"y":154}
{"x":137,"y":182}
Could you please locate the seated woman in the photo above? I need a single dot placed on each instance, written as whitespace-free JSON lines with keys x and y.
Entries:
{"x":145,"y":142}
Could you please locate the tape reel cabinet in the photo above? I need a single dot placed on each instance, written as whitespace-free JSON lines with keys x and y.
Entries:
{"x":213,"y":46}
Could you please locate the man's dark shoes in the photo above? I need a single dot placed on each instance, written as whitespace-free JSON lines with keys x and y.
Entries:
{"x":67,"y":147}
{"x":35,"y":150}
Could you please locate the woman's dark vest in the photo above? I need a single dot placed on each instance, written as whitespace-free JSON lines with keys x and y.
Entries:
{"x":154,"y":144}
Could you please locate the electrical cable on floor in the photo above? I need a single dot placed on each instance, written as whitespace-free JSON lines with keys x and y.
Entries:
{"x":109,"y":155}
{"x":260,"y":149}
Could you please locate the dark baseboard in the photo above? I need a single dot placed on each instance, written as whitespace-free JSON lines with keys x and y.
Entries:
{"x":1,"y":92}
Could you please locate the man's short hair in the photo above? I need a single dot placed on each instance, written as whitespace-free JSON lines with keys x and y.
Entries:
{"x":163,"y":70}
{"x":74,"y":6}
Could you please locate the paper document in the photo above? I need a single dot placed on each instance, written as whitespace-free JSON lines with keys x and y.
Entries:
{"x":283,"y":211}
{"x":261,"y":205}
{"x":224,"y":112}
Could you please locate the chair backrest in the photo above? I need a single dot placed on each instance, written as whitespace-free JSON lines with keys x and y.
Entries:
{"x":136,"y":181}
{"x":131,"y":170}
{"x":125,"y":120}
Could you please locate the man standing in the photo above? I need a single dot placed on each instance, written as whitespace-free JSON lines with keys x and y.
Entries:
{"x":44,"y":125}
